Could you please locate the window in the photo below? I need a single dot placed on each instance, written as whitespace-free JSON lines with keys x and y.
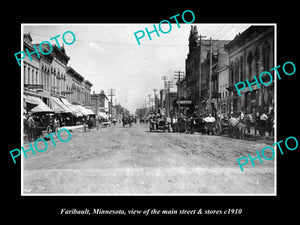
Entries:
{"x":249,"y":61}
{"x":28,"y":76}
{"x":242,"y":68}
{"x":42,"y":78}
{"x":266,"y":56}
{"x":236,"y":71}
{"x":24,"y":75}
{"x":231,"y":78}
{"x":36,"y":77}
{"x":256,"y":58}
{"x":32,"y":76}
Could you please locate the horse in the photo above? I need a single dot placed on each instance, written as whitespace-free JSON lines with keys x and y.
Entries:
{"x":190,"y":125}
{"x":236,"y":127}
{"x":199,"y":125}
{"x":32,"y":130}
{"x":270,"y":126}
{"x":223,"y":126}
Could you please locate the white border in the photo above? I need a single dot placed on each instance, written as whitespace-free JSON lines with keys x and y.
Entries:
{"x":101,"y":24}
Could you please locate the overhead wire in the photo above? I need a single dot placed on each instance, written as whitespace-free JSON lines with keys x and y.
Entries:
{"x":118,"y":44}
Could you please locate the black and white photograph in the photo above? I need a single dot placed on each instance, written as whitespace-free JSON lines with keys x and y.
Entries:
{"x":143,"y":109}
{"x":150,"y":111}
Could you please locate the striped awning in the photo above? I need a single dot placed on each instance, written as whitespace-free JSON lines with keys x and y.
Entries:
{"x":74,"y":110}
{"x":82,"y":110}
{"x":90,"y":111}
{"x":40,"y":105}
{"x":57,"y":106}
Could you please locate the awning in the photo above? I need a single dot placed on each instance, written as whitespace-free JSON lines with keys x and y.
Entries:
{"x":90,"y":111}
{"x":75,"y":110}
{"x":81,"y":109}
{"x":102,"y":115}
{"x":84,"y":110}
{"x":57,"y":106}
{"x":40,"y":105}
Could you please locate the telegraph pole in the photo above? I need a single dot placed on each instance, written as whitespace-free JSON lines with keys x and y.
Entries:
{"x":210,"y":74}
{"x":164,"y":78}
{"x":178,"y":76}
{"x":154,"y":90}
{"x":149,"y":102}
{"x":200,"y":71}
{"x":169,"y":84}
{"x":111,"y":92}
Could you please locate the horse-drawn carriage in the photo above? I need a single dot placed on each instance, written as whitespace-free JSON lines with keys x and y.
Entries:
{"x":127,"y":120}
{"x":34,"y":129}
{"x":235,"y":127}
{"x":143,"y":120}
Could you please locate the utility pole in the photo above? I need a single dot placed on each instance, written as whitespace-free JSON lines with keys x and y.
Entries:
{"x":210,"y":74}
{"x":164,"y":78}
{"x":149,"y":101}
{"x":155,"y":108}
{"x":111,"y":92}
{"x":200,"y":71}
{"x":169,"y":84}
{"x":178,"y":76}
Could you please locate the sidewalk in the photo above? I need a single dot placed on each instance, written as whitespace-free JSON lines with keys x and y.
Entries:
{"x":257,"y":136}
{"x":72,"y":127}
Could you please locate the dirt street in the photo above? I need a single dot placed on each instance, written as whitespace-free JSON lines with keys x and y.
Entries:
{"x":117,"y":160}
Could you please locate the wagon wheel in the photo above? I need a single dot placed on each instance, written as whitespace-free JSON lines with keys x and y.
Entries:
{"x":49,"y":129}
{"x":217,"y":129}
{"x":230,"y":132}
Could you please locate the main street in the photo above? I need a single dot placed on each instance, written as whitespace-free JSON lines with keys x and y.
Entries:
{"x":117,"y":160}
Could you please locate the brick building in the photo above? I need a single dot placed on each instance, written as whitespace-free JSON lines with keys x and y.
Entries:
{"x":196,"y":84}
{"x":251,"y":53}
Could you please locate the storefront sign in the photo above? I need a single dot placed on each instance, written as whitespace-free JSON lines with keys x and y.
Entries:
{"x":33,"y":86}
{"x":66,"y":92}
{"x":184,"y":102}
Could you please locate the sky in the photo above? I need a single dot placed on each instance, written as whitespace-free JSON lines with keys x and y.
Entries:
{"x":109,"y":56}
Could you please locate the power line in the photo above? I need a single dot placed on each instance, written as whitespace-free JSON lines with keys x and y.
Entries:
{"x":120,"y":44}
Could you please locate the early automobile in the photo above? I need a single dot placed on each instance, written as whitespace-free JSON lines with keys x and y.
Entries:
{"x":159,"y":124}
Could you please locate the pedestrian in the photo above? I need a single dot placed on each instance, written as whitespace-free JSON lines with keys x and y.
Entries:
{"x":210,"y":124}
{"x":84,"y":124}
{"x":263,"y":123}
{"x":256,"y":123}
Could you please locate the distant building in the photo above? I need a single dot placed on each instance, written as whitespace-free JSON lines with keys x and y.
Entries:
{"x":77,"y":88}
{"x":99,"y":103}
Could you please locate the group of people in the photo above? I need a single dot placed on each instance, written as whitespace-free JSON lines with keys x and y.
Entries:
{"x":34,"y":124}
{"x":261,"y":122}
{"x":181,"y":123}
